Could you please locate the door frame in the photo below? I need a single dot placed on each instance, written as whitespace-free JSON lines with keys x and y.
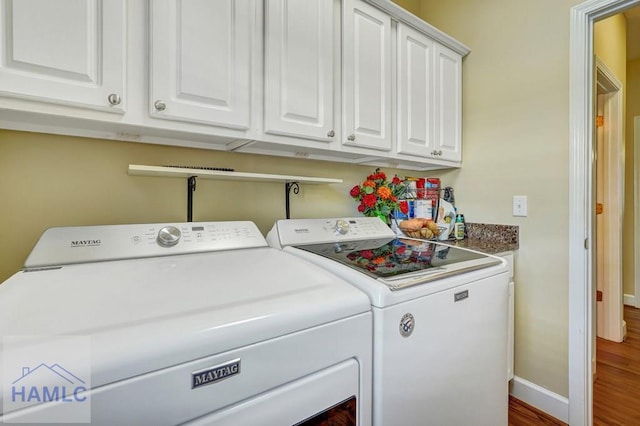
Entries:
{"x":581,"y":197}
{"x":636,"y":224}
{"x":613,"y":294}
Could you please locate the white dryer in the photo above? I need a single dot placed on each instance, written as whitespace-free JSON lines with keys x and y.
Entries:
{"x":439,"y":314}
{"x":196,"y":323}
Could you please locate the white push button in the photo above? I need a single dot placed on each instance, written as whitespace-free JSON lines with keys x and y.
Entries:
{"x":342,"y":226}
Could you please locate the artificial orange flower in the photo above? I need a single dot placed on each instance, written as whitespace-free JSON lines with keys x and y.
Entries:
{"x":384,"y":192}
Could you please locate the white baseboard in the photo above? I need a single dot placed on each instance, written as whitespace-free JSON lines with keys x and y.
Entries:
{"x":630,"y":299}
{"x":541,"y":398}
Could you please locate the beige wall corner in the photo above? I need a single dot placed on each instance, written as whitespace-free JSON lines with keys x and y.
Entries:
{"x":515,"y":142}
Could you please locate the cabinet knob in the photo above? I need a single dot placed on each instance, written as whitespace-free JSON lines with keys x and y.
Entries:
{"x":351,"y":137}
{"x":331,"y":133}
{"x":440,"y":152}
{"x":434,"y":152}
{"x":114,"y":99}
{"x":159,"y":105}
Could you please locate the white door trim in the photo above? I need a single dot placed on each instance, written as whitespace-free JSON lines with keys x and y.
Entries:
{"x":613,"y":202}
{"x":636,"y":225}
{"x":581,"y":186}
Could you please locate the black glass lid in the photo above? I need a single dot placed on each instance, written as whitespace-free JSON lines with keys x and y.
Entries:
{"x":392,"y":258}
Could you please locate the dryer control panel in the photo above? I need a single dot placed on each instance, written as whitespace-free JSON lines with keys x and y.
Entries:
{"x":83,"y":244}
{"x":294,"y":232}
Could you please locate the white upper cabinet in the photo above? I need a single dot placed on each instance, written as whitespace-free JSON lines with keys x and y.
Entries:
{"x":415,"y":100}
{"x":299,"y":69}
{"x":200,"y":61}
{"x":448,"y":109}
{"x":429,"y":97}
{"x":68,"y":52}
{"x":367,"y":78}
{"x":360,"y":81}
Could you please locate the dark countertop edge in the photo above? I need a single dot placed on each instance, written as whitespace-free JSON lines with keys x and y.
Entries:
{"x":484,"y":245}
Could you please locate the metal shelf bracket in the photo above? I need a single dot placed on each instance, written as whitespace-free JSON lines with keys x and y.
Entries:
{"x":191,"y":188}
{"x":288,"y":186}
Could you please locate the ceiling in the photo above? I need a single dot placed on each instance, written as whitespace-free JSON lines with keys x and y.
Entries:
{"x":633,"y":33}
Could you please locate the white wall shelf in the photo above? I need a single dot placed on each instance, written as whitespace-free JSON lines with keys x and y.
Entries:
{"x":163,"y":171}
{"x":291,"y":182}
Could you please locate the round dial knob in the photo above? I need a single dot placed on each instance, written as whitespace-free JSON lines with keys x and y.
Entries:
{"x":342,"y":226}
{"x":169,"y":236}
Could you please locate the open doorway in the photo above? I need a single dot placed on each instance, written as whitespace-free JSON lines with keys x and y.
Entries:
{"x":581,"y":202}
{"x":609,"y":194}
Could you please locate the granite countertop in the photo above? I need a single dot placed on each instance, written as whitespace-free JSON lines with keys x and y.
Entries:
{"x":489,"y":238}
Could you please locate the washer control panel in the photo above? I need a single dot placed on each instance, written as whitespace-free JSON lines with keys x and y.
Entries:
{"x":293,"y":232}
{"x":82,"y":244}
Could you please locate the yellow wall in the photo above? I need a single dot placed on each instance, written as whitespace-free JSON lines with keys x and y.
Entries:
{"x":50,"y":180}
{"x":516,"y":142}
{"x":413,"y":6}
{"x":633,"y":110}
{"x":610,"y":44}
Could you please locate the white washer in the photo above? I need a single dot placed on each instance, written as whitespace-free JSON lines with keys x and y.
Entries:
{"x":439,"y":314}
{"x":172,"y":309}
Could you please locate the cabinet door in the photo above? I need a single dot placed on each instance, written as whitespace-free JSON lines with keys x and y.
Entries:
{"x":448,"y":112}
{"x":200,"y":61}
{"x":366,"y":63}
{"x":299,"y":68}
{"x":69,"y":52}
{"x":415,"y":93}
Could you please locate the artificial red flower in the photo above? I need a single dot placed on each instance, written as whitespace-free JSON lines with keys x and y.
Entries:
{"x":361,"y":208}
{"x":355,"y":191}
{"x":369,"y":200}
{"x":404,"y":207}
{"x":378,"y":175}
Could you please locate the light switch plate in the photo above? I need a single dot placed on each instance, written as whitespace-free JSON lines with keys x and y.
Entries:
{"x":520,"y":205}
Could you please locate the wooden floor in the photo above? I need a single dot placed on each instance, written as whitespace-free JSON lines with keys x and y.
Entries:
{"x":521,"y":414}
{"x":616,"y":391}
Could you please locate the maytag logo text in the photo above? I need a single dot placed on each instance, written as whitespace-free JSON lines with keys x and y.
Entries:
{"x":215,"y":374}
